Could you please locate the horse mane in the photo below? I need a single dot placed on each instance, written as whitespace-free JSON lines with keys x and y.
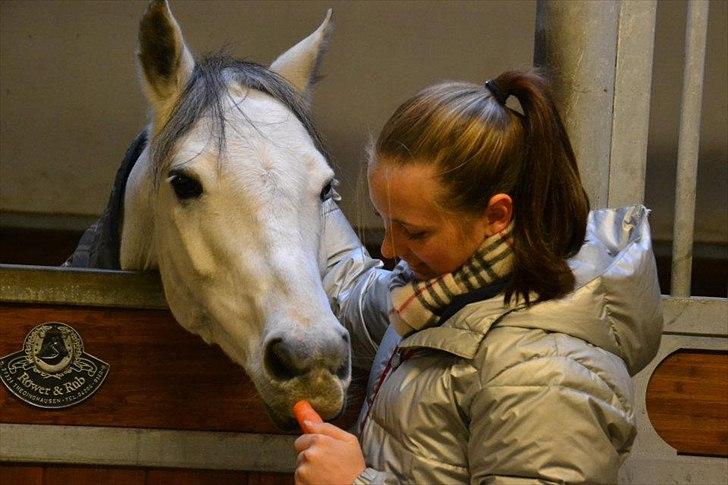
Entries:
{"x":204,"y":95}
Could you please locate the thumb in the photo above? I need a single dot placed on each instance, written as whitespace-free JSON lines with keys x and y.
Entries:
{"x":330,"y":430}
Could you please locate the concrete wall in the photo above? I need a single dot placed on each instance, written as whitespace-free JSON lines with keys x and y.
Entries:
{"x":70,"y":102}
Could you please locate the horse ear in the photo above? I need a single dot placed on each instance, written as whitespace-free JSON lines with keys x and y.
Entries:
{"x":166,"y":62}
{"x":300,"y":64}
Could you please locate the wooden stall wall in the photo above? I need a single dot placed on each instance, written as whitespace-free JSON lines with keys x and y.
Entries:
{"x":16,"y":474}
{"x":160,"y":377}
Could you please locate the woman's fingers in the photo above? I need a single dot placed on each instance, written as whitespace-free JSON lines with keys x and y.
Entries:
{"x":322,"y":431}
{"x":304,"y":441}
{"x":331,"y":430}
{"x":300,"y":458}
{"x":323,"y":459}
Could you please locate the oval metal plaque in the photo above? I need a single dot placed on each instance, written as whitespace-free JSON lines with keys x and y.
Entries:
{"x":52,"y":371}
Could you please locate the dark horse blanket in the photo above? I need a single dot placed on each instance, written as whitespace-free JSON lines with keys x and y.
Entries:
{"x":100,"y":243}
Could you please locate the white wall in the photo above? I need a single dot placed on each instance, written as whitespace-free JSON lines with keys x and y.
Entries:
{"x":70,"y":102}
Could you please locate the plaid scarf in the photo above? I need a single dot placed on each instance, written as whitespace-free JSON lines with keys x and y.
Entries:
{"x":418,"y":304}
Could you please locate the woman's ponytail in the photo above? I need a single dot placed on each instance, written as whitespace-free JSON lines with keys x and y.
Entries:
{"x":549,"y":201}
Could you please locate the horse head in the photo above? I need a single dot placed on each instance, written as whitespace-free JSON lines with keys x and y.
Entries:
{"x":226,"y":202}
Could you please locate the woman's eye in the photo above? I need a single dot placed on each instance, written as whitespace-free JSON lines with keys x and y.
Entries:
{"x":414,"y":234}
{"x":185,"y":187}
{"x":417,"y":235}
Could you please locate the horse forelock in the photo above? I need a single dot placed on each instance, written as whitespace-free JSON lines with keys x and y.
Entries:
{"x":205,"y":96}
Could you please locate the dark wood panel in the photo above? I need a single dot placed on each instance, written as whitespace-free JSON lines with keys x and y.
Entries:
{"x":44,"y":247}
{"x":161,"y":376}
{"x":84,"y":475}
{"x":20,"y":474}
{"x":687,"y":402}
{"x":216,"y":477}
{"x":270,"y":479}
{"x":17,"y":474}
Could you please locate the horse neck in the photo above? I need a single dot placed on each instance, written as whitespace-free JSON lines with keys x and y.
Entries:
{"x":137,"y":245}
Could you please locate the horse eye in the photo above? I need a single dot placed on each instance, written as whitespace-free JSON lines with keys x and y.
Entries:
{"x":185,"y":187}
{"x":328,"y":191}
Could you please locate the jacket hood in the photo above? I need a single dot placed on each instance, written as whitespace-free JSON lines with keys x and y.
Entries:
{"x":616,"y":303}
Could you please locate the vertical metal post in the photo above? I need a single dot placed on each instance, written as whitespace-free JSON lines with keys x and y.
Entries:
{"x":688,"y":146}
{"x":631,"y":117}
{"x":576,"y":46}
{"x":598,"y":55}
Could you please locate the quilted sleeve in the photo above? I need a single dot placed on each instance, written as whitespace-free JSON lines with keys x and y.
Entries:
{"x":548,"y":419}
{"x":356,"y":284}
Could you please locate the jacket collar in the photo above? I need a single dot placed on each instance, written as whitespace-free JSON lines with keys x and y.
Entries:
{"x":462,"y":333}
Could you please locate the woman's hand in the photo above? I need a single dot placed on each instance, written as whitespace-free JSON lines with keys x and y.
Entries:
{"x":328,"y":455}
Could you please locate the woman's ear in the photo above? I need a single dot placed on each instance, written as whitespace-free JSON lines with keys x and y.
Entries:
{"x":499,"y":213}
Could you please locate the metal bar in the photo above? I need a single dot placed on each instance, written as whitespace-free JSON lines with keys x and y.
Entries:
{"x":631,"y":117}
{"x":695,"y":316}
{"x":688,"y":146}
{"x":146,"y":447}
{"x":80,"y":287}
{"x":576,"y":45}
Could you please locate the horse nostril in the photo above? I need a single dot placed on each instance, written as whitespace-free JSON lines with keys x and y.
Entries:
{"x":287,"y":358}
{"x":343,"y":371}
{"x":343,"y":351}
{"x":279,"y":360}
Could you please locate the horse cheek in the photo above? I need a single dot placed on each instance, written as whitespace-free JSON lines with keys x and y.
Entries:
{"x":184,"y":226}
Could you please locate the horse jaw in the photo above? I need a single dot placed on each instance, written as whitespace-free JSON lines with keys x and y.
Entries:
{"x":136,"y":252}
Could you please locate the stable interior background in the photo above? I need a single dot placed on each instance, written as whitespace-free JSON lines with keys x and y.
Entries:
{"x":70,"y":101}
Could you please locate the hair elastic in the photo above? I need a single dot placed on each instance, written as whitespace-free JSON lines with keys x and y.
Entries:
{"x":496,"y":91}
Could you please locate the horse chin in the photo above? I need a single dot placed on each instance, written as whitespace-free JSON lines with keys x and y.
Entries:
{"x":284,"y":423}
{"x":287,"y":423}
{"x":328,"y":398}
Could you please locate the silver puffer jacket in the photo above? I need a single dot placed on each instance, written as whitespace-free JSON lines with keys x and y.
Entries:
{"x":499,"y":394}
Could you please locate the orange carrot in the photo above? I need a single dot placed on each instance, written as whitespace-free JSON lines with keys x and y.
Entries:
{"x":303,"y":411}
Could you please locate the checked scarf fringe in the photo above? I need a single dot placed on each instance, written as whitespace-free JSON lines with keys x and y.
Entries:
{"x":416,"y":303}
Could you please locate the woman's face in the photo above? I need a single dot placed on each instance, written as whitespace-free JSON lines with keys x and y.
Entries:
{"x":432,"y":240}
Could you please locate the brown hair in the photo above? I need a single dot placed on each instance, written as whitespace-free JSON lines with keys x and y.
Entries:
{"x":482,"y":148}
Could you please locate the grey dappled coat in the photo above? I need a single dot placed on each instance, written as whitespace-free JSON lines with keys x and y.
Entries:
{"x":506,"y":395}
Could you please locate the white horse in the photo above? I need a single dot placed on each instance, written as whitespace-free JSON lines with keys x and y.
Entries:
{"x":225,"y":201}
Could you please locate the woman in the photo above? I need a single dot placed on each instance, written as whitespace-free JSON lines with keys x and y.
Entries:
{"x":502,"y":343}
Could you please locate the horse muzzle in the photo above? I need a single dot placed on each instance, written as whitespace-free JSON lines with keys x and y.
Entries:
{"x":308,"y":364}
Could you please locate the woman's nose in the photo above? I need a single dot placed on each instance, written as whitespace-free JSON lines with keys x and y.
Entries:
{"x":388,"y":248}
